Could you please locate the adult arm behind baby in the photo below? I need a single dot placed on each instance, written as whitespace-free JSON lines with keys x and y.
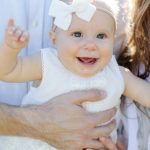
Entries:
{"x":61,"y":122}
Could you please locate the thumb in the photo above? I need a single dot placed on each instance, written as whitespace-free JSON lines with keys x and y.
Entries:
{"x":79,"y":97}
{"x":10,"y":22}
{"x":89,"y":95}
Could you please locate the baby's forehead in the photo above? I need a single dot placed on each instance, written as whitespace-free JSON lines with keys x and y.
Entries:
{"x":110,"y":7}
{"x":101,"y":22}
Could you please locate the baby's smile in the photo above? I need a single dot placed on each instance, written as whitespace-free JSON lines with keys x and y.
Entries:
{"x":87,"y":60}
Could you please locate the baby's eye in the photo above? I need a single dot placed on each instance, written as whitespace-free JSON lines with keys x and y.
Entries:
{"x":77,"y":34}
{"x":101,"y":36}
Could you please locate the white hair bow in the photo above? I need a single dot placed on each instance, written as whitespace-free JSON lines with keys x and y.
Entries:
{"x":62,"y":12}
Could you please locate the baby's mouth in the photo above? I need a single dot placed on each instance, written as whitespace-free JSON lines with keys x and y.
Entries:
{"x":87,"y":60}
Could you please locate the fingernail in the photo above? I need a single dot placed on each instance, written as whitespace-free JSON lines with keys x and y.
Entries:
{"x":22,"y":39}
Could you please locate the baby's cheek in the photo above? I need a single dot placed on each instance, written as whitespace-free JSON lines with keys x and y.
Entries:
{"x":106,"y":56}
{"x":107,"y":53}
{"x":64,"y":56}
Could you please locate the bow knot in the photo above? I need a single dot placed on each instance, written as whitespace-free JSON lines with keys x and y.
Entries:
{"x":62,"y":12}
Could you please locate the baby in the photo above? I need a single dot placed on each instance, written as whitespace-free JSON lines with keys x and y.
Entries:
{"x":81,"y":58}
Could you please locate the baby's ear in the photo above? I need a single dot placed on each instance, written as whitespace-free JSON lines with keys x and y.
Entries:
{"x":52,"y":36}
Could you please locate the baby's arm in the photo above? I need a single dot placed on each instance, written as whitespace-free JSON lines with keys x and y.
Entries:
{"x":12,"y":67}
{"x":136,"y":88}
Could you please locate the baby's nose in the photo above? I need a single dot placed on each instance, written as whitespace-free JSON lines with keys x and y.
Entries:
{"x":90,"y":46}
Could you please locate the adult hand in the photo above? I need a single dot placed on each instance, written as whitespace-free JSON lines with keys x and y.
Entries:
{"x":67,"y":126}
{"x":109,"y":145}
{"x":61,"y":122}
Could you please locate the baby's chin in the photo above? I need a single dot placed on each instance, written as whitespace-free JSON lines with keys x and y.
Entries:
{"x":86,"y":67}
{"x":85,"y":73}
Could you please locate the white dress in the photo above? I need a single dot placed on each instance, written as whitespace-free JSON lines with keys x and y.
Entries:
{"x":57,"y":80}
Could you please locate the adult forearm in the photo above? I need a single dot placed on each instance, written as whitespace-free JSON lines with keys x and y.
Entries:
{"x":16,"y":121}
{"x":61,"y":122}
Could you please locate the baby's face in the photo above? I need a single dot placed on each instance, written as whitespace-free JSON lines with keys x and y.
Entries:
{"x":86,"y":47}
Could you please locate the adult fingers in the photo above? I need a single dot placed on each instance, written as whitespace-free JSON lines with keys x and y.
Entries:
{"x":78,"y":97}
{"x":108,"y":144}
{"x":120,"y":145}
{"x":95,"y":144}
{"x":104,"y":131}
{"x":103,"y":116}
{"x":87,"y":95}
